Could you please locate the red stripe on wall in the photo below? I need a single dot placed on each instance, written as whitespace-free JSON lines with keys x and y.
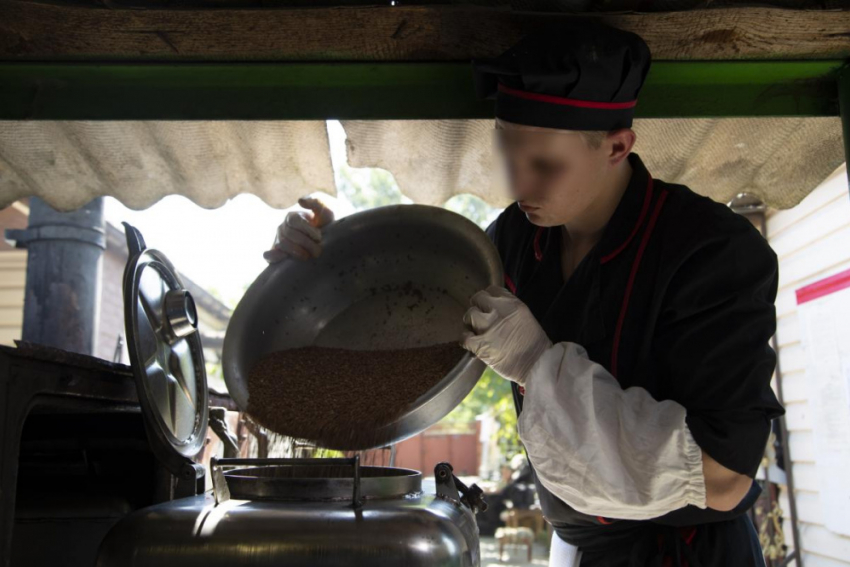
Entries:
{"x":823,"y":287}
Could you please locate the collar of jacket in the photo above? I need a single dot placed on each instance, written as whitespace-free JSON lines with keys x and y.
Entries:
{"x":631,"y":212}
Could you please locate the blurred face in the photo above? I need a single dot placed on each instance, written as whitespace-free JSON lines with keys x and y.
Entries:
{"x":552,"y":173}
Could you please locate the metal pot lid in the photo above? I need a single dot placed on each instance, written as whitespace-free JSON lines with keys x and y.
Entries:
{"x":166,"y":355}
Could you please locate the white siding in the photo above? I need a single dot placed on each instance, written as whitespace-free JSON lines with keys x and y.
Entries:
{"x":13,"y":274}
{"x":111,"y":309}
{"x":812,"y":241}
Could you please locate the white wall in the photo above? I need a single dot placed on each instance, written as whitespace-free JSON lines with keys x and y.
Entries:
{"x":812,"y":241}
{"x":13,"y":275}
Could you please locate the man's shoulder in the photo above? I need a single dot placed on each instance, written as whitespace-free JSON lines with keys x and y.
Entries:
{"x":697,"y":219}
{"x":697,"y":223}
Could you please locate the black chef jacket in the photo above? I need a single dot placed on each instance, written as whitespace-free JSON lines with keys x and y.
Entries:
{"x":677,"y":297}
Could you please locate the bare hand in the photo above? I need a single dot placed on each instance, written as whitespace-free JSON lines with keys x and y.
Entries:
{"x":299,"y":235}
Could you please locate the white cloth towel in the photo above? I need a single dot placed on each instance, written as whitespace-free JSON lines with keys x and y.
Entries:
{"x":603,"y":450}
{"x":563,"y":554}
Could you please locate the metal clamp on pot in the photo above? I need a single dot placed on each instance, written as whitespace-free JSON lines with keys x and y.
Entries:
{"x":449,"y":487}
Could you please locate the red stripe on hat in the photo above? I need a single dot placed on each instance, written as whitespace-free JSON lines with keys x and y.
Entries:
{"x":552,"y":99}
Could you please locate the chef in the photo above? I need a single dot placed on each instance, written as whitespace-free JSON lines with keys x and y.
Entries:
{"x":634,"y":322}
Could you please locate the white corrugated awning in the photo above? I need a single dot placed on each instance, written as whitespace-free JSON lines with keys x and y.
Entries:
{"x":69,"y":163}
{"x":780,"y":160}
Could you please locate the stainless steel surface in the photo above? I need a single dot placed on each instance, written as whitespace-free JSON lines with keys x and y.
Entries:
{"x":180,"y":313}
{"x":218,"y":423}
{"x":413,"y":530}
{"x":169,"y":369}
{"x":391,"y":277}
{"x":318,"y":480}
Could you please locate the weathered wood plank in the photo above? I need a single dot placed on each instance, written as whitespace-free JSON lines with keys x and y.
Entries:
{"x":36,"y":31}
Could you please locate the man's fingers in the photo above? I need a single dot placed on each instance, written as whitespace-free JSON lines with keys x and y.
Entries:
{"x":296,"y":222}
{"x":479,"y":321}
{"x":322,"y":215}
{"x":498,"y":291}
{"x":495,"y":299}
{"x":293,"y":250}
{"x":299,"y":235}
{"x":274,"y":255}
{"x":284,"y":250}
{"x":302,"y":240}
{"x":471,"y":342}
{"x":482,"y":300}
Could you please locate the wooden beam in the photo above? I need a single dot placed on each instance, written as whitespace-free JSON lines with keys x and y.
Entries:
{"x":37,"y":31}
{"x":317,"y":91}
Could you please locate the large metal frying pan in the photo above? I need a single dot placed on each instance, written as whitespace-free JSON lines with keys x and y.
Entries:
{"x":341,"y":299}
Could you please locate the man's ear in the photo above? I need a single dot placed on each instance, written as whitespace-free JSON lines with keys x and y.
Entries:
{"x":619,"y":144}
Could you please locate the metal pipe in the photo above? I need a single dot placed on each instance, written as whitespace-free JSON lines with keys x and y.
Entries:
{"x":64,"y":257}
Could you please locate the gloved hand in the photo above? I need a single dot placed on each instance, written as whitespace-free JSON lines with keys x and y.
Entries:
{"x":300,"y":235}
{"x":504,"y":333}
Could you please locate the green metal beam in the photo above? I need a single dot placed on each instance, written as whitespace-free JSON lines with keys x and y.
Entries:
{"x":302,"y":91}
{"x":844,"y":103}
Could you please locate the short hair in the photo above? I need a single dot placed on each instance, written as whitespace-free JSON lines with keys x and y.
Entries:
{"x":594,"y":138}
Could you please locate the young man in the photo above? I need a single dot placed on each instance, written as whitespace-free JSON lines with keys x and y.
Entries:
{"x":637,"y":324}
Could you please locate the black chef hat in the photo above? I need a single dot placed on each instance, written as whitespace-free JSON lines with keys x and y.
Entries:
{"x":578,"y":75}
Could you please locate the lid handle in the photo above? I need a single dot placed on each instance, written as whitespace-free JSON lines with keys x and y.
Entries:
{"x":135,"y":240}
{"x":180,"y":313}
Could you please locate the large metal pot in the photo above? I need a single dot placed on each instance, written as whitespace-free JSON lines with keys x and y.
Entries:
{"x":305,"y":513}
{"x":348,"y":298}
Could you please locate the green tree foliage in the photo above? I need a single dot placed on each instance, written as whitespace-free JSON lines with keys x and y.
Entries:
{"x":473,"y":208}
{"x":366,"y":189}
{"x":491,"y":395}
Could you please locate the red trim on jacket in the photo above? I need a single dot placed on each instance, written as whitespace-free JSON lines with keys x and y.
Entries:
{"x":632,"y":275}
{"x":646,"y":200}
{"x":538,"y":253}
{"x":509,"y":283}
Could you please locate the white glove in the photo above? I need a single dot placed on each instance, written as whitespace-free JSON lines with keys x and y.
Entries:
{"x":504,"y":333}
{"x":299,"y":235}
